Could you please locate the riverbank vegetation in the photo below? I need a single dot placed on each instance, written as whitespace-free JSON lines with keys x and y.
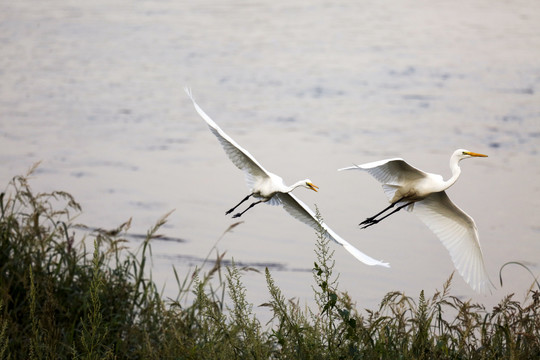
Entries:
{"x":85,"y":295}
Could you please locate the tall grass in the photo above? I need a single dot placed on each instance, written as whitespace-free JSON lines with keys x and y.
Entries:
{"x":60,"y":300}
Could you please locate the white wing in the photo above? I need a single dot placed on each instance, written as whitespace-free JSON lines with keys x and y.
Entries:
{"x":238,"y":155}
{"x":457,"y":231}
{"x":390,"y":171}
{"x":299,"y":210}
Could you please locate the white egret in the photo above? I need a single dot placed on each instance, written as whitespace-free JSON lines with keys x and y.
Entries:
{"x":424,"y":194}
{"x":270,"y":189}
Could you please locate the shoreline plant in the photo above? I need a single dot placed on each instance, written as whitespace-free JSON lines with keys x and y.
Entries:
{"x":58,"y":300}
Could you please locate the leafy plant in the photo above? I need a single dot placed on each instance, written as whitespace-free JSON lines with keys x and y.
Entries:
{"x":58,"y":300}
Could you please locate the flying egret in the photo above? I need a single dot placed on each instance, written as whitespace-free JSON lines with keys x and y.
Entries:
{"x":270,"y":189}
{"x":424,"y":194}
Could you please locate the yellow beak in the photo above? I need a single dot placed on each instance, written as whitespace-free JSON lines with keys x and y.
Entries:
{"x":476,"y":154}
{"x":312,"y":187}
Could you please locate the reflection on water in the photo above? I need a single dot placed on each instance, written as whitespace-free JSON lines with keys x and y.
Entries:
{"x":95,"y":91}
{"x":194,"y":261}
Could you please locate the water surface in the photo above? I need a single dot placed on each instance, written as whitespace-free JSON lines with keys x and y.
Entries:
{"x":95,"y":91}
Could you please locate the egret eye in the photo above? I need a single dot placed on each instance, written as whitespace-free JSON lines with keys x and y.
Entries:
{"x":407,"y":186}
{"x":267,"y":187}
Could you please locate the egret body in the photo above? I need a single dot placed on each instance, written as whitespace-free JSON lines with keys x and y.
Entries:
{"x":424,"y":194}
{"x":269,"y":188}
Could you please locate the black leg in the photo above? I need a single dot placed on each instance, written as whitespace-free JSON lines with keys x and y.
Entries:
{"x":249,"y":207}
{"x":237,"y":205}
{"x":370,"y":220}
{"x":375,"y":221}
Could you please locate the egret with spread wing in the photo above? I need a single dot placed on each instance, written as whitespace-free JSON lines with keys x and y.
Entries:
{"x":424,"y":194}
{"x":269,"y":188}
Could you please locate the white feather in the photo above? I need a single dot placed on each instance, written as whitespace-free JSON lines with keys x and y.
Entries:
{"x":302,"y":212}
{"x":238,"y":155}
{"x":403,"y":183}
{"x":458,"y":233}
{"x":270,"y":187}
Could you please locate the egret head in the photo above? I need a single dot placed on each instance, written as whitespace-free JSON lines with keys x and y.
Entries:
{"x":310,"y":185}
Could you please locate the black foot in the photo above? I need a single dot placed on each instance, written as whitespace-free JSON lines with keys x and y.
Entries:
{"x":368,"y":222}
{"x":237,"y":215}
{"x":229,"y":211}
{"x":372,"y":222}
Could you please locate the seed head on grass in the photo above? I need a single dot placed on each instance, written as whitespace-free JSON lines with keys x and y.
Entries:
{"x":59,"y":301}
{"x":94,"y":331}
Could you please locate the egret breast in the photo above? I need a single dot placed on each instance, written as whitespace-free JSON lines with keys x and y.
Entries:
{"x":418,"y":189}
{"x":264,"y":188}
{"x":428,"y":185}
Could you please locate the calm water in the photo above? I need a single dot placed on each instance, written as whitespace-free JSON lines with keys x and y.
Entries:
{"x":95,"y":91}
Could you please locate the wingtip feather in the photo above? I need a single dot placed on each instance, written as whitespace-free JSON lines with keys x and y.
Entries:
{"x":354,"y":167}
{"x":187,"y":89}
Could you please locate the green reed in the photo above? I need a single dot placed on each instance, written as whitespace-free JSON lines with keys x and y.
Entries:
{"x":59,"y":300}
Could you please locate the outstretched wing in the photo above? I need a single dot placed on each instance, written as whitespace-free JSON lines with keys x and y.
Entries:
{"x":390,"y":171}
{"x":457,"y":231}
{"x":238,"y":155}
{"x":302,"y":212}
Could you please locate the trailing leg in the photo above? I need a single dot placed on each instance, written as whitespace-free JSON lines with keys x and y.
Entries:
{"x":249,"y":207}
{"x":237,"y":205}
{"x":375,"y":221}
{"x":371,"y":219}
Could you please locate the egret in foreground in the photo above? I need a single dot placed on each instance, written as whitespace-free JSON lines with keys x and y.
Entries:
{"x":270,"y":189}
{"x":424,"y":194}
